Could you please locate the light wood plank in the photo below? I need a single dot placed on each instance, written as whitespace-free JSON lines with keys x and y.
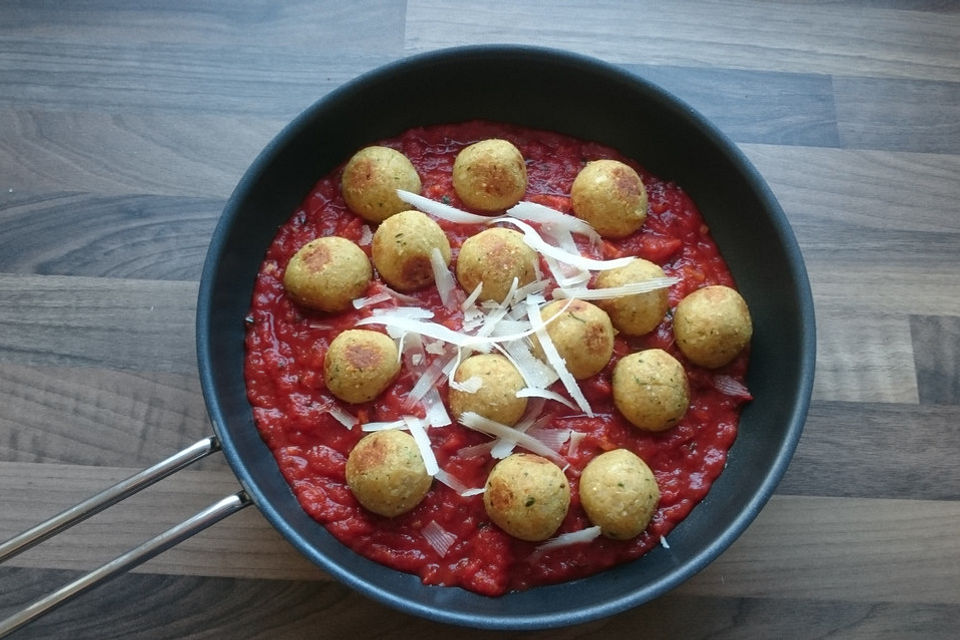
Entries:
{"x":96,"y":416}
{"x":821,"y":38}
{"x":139,"y":325}
{"x":864,"y":357}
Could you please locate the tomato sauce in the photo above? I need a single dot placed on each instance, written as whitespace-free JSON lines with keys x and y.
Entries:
{"x":284,"y":363}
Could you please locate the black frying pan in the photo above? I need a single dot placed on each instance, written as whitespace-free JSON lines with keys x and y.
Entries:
{"x":574,"y":95}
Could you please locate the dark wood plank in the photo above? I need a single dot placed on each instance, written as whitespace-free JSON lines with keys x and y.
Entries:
{"x":142,"y":237}
{"x":137,"y":325}
{"x":936,"y":348}
{"x":755,"y":106}
{"x":877,"y":450}
{"x":905,"y":115}
{"x":172,"y":607}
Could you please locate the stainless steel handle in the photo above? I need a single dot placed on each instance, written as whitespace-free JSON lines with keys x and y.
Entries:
{"x":169,"y":538}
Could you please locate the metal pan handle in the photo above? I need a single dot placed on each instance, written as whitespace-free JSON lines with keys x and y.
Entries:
{"x":169,"y":538}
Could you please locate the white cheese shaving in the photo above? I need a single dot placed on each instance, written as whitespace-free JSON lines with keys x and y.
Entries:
{"x":473,"y":451}
{"x":383,"y":426}
{"x":451,"y":481}
{"x":400,"y":297}
{"x":730,"y":386}
{"x":535,"y":242}
{"x":342,"y":416}
{"x":664,"y":543}
{"x":442,"y":211}
{"x":437,"y":537}
{"x":553,"y":357}
{"x":492,"y":428}
{"x":574,"y":537}
{"x":360,"y":303}
{"x":426,"y":382}
{"x":576,"y":437}
{"x":419,"y":433}
{"x":545,"y":215}
{"x":553,"y":438}
{"x":436,"y":413}
{"x":366,"y":235}
{"x":504,"y":447}
{"x":443,"y":279}
{"x":472,"y":298}
{"x":614,"y":292}
{"x":533,"y":370}
{"x":533,"y":392}
{"x":470,"y":385}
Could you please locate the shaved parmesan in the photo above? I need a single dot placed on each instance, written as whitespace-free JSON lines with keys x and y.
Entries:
{"x":553,"y":438}
{"x":423,"y":443}
{"x":442,"y":277}
{"x":442,"y":211}
{"x":451,"y":481}
{"x":574,"y":537}
{"x":664,"y":543}
{"x":360,"y":303}
{"x":545,"y":215}
{"x":482,"y":449}
{"x":490,"y":427}
{"x":342,"y":416}
{"x":399,"y":297}
{"x":383,"y":426}
{"x":473,"y":492}
{"x":426,"y":382}
{"x":472,"y":298}
{"x":614,"y":292}
{"x":436,"y":413}
{"x":553,"y":357}
{"x":534,"y":241}
{"x":437,"y":537}
{"x":532,"y":392}
{"x":470,"y":385}
{"x":576,"y":437}
{"x":534,"y":371}
{"x":366,"y":236}
{"x":731,"y":387}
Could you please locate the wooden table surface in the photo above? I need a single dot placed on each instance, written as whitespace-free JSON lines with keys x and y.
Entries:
{"x":125,"y":125}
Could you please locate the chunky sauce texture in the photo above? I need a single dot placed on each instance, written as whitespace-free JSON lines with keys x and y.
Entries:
{"x":284,"y":364}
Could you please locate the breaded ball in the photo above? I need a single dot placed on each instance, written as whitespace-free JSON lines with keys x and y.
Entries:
{"x":402,"y":246}
{"x":360,"y":364}
{"x":370,"y":181}
{"x":639,"y":313}
{"x":582,"y":334}
{"x":619,"y":493}
{"x":386,"y":474}
{"x":327,"y":274}
{"x":527,"y":496}
{"x":650,"y":389}
{"x":495,"y":257}
{"x":611,"y":197}
{"x":712,"y":325}
{"x":497,"y":398}
{"x":490,"y":175}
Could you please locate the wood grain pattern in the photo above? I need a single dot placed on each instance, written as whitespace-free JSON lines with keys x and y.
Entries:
{"x":126,"y":125}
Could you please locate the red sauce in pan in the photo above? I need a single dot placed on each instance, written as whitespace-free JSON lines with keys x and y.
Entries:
{"x":284,"y":364}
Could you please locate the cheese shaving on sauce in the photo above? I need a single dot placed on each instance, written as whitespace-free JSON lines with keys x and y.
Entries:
{"x":492,"y":428}
{"x":442,"y":211}
{"x":574,"y":537}
{"x":553,"y":357}
{"x":437,"y":537}
{"x":542,"y":214}
{"x":377,"y":298}
{"x":533,"y":392}
{"x":423,"y":443}
{"x":443,"y":279}
{"x":632,"y":288}
{"x":534,"y":241}
{"x":342,"y":416}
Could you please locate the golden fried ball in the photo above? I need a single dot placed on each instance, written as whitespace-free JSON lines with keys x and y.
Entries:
{"x":495,"y":257}
{"x":527,"y":496}
{"x":327,"y":274}
{"x":360,"y":364}
{"x":712,"y":325}
{"x":650,"y":389}
{"x":402,"y":246}
{"x":490,"y":175}
{"x":619,"y":493}
{"x":497,"y":398}
{"x":386,"y":474}
{"x":639,"y":313}
{"x":370,"y":181}
{"x":611,"y":197}
{"x":582,"y":334}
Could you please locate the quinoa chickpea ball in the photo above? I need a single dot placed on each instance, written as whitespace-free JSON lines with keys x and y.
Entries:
{"x":610,"y":196}
{"x":650,"y":389}
{"x":527,"y":496}
{"x":619,"y":493}
{"x":582,"y":334}
{"x":496,"y":399}
{"x":712,"y":325}
{"x":636,"y":314}
{"x":402,"y":246}
{"x":360,"y":364}
{"x":327,"y":274}
{"x":370,"y":181}
{"x":490,"y":175}
{"x":386,"y":473}
{"x":495,"y":257}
